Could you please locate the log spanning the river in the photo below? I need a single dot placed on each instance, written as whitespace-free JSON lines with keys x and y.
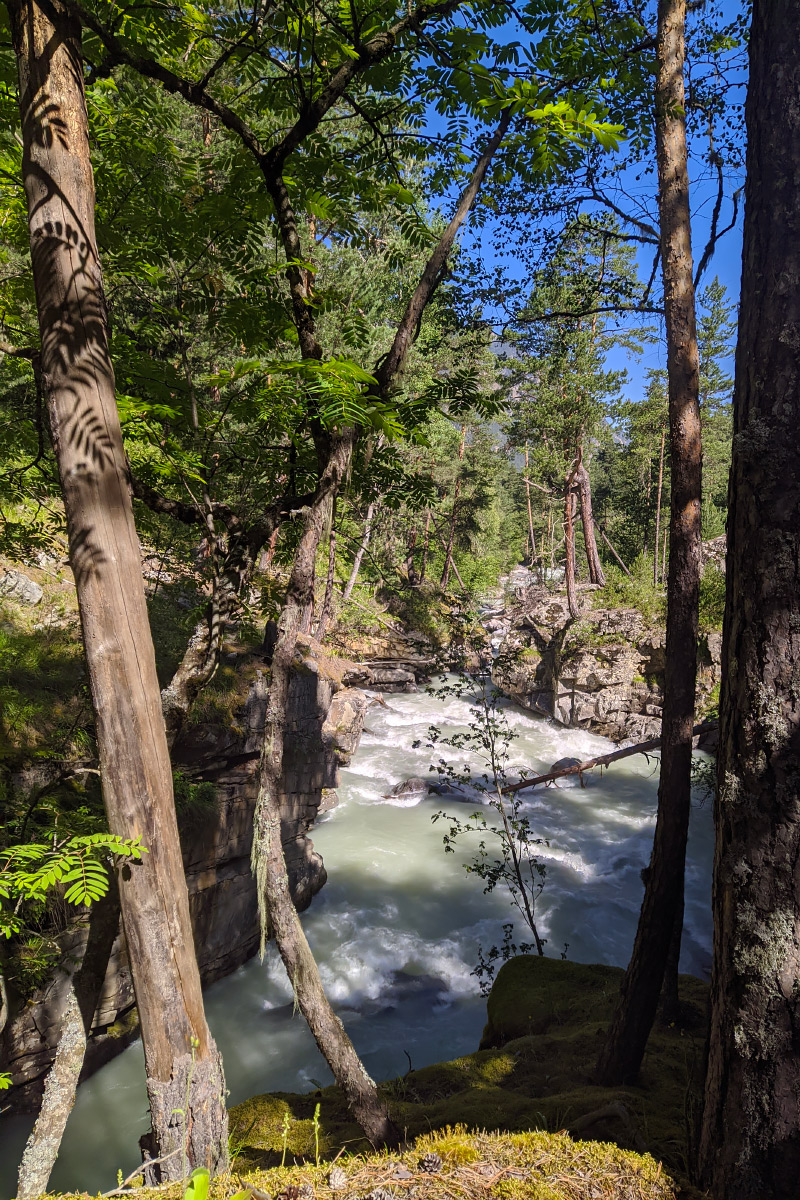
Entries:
{"x":603,"y":760}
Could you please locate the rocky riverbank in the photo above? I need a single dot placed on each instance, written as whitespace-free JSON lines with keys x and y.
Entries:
{"x":603,"y":672}
{"x":326,"y":716}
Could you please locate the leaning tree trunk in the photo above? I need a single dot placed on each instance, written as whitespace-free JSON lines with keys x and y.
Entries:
{"x":623,"y":1051}
{"x":750,"y":1144}
{"x":584,"y":486}
{"x":184,"y":1072}
{"x":85,"y":982}
{"x":269,"y":865}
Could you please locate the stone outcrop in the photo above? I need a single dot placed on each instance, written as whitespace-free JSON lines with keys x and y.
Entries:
{"x":603,"y":672}
{"x":326,"y":717}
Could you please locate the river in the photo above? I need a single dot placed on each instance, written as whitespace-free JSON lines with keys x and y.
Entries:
{"x":397,"y":927}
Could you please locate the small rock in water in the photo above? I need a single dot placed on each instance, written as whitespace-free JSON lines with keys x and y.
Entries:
{"x":567,"y":780}
{"x":20,"y":587}
{"x":415,"y":786}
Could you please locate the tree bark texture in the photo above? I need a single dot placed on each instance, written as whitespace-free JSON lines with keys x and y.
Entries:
{"x":277,"y":909}
{"x":624,"y":1048}
{"x":657,"y":541}
{"x":750,"y":1144}
{"x":183,"y":1067}
{"x":584,"y":486}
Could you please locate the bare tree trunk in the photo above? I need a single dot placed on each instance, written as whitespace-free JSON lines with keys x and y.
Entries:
{"x":596,"y":574}
{"x":277,"y":909}
{"x":608,"y":542}
{"x":362,"y":549}
{"x":327,"y":604}
{"x":569,"y":544}
{"x":448,"y":556}
{"x":411,"y":570}
{"x":425,"y":546}
{"x":184,"y":1072}
{"x":623,"y":1051}
{"x":83,"y":992}
{"x":750,"y":1143}
{"x":531,"y":536}
{"x":657,"y":542}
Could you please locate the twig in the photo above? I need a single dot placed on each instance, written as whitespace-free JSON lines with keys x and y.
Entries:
{"x":151,"y":1162}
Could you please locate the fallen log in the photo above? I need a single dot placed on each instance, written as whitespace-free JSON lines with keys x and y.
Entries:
{"x":602,"y":760}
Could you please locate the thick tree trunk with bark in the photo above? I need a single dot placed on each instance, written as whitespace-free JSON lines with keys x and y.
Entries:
{"x":657,"y":542}
{"x":750,"y":1144}
{"x":584,"y":486}
{"x":184,"y":1071}
{"x":623,"y":1051}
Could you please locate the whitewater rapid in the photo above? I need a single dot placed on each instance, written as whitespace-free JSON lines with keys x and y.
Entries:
{"x":396,"y":929}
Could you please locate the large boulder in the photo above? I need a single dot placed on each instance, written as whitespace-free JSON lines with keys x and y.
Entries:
{"x":16,"y":585}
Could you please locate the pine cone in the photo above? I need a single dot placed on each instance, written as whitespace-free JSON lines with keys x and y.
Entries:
{"x":290,"y":1192}
{"x":337,"y":1179}
{"x":306,"y":1191}
{"x":431,"y":1163}
{"x":380,"y":1193}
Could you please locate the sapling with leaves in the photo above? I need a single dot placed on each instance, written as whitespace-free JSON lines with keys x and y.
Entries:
{"x":505,"y":857}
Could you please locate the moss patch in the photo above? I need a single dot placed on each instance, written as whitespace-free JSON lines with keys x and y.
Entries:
{"x":522,"y":1166}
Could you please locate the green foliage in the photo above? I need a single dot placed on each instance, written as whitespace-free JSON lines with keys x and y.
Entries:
{"x":76,"y":866}
{"x":636,"y":590}
{"x":712,"y":597}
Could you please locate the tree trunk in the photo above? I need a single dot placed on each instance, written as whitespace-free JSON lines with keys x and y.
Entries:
{"x":531,"y":537}
{"x":85,"y":984}
{"x":184,"y":1073}
{"x":596,"y":574}
{"x":327,"y":604}
{"x":362,"y":549}
{"x":426,"y":541}
{"x":276,"y":906}
{"x":569,"y":545}
{"x":451,"y":537}
{"x":622,"y":1054}
{"x":750,"y":1144}
{"x":658,"y":508}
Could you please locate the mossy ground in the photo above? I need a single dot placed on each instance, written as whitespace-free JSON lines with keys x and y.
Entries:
{"x":475,"y":1166}
{"x":547,"y":1019}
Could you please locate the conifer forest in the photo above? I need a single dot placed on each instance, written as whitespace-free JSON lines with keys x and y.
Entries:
{"x":400,"y":599}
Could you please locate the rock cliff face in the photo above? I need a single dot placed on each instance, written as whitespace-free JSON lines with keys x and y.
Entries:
{"x":326,"y":718}
{"x":603,"y":672}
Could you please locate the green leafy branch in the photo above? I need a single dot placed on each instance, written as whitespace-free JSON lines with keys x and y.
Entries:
{"x":78,"y":864}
